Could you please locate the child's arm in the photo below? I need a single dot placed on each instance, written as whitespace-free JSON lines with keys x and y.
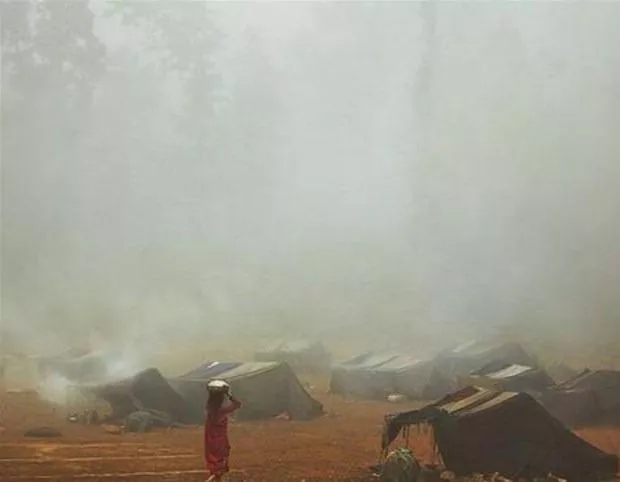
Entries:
{"x":234,"y":405}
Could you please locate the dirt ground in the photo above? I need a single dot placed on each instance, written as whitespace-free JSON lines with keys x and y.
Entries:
{"x":340,"y":446}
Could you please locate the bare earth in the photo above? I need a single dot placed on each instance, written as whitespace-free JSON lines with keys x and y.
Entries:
{"x":340,"y":446}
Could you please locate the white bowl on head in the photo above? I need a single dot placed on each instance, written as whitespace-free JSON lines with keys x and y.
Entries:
{"x":218,"y":386}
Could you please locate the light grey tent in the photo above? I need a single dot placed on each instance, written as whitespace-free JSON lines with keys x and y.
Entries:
{"x":469,"y":357}
{"x":266,"y":389}
{"x":377,"y":375}
{"x":301,"y":355}
{"x":352,"y":377}
{"x":414,"y":378}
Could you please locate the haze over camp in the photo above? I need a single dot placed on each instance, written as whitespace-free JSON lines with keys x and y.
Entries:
{"x":341,"y":210}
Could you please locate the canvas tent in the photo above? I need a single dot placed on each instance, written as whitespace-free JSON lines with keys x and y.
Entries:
{"x":352,"y":377}
{"x":509,"y":377}
{"x":593,"y":380}
{"x":560,"y":372}
{"x":591,"y":398}
{"x":375,"y":376}
{"x":266,"y":389}
{"x":146,"y":391}
{"x":466,"y":358}
{"x":302,"y":355}
{"x":74,"y":367}
{"x":486,"y":431}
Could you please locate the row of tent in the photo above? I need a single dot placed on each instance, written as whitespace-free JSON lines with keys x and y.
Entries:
{"x":269,"y":385}
{"x":589,"y":398}
{"x":373,"y":375}
{"x":85,"y":365}
{"x":268,"y":389}
{"x":273,"y":388}
{"x":478,"y":430}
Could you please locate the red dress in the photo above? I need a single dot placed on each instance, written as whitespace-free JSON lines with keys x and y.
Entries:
{"x":217,"y":447}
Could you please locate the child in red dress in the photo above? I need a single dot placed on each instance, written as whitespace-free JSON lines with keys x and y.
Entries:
{"x":216,"y":445}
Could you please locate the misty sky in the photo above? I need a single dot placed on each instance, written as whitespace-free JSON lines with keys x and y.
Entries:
{"x":321,"y":199}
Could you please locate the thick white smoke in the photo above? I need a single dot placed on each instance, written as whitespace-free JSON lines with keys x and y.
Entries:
{"x":325,"y":190}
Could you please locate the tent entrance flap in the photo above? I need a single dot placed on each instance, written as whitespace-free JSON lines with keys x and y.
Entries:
{"x":482,"y":431}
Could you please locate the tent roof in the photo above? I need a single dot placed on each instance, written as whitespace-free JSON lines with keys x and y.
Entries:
{"x":490,"y":403}
{"x":464,"y":400}
{"x":479,"y":348}
{"x":510,"y":371}
{"x":228,"y":370}
{"x":399,"y":363}
{"x":593,"y":380}
{"x":147,"y":389}
{"x":482,"y":358}
{"x":268,"y":388}
{"x":560,"y":372}
{"x":210,"y":370}
{"x":369,"y":360}
{"x":512,"y":377}
{"x":471,"y":348}
{"x":496,"y":431}
{"x":356,"y":360}
{"x":248,"y":369}
{"x":603,"y":386}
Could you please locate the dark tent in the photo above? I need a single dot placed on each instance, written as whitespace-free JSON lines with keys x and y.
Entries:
{"x":591,"y":398}
{"x":574,"y":408}
{"x":146,"y":391}
{"x":485,"y":431}
{"x":375,"y":376}
{"x":593,"y":380}
{"x":509,"y":377}
{"x":469,"y":357}
{"x":301,"y":355}
{"x":265,"y":389}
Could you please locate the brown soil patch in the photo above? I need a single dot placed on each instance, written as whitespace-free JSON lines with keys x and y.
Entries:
{"x":340,"y":446}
